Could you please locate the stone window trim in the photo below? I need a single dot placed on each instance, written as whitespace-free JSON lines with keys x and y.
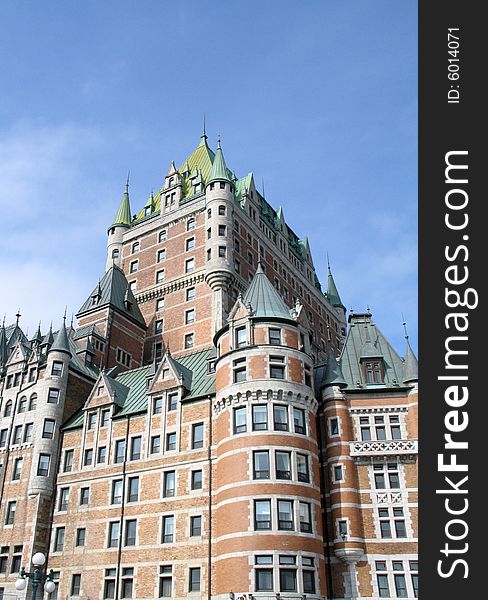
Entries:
{"x":386,"y":567}
{"x":274,"y":560}
{"x":274,"y":525}
{"x":334,"y":429}
{"x":342,"y":529}
{"x":380,"y":426}
{"x":333,"y":472}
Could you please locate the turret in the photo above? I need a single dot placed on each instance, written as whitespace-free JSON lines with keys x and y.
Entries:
{"x":267,"y":471}
{"x":3,"y":349}
{"x":116,"y":231}
{"x":411,"y":366}
{"x":49,"y":415}
{"x":219,"y":193}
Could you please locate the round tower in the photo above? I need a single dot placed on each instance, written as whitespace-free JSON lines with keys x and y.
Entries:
{"x":219,"y":195}
{"x":116,"y":231}
{"x":268,"y":527}
{"x":49,"y":417}
{"x":337,"y":430}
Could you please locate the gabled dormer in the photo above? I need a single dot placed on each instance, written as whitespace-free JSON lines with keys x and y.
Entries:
{"x":170,"y":374}
{"x":171,"y":193}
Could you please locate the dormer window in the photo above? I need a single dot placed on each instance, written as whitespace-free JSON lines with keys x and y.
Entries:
{"x":241,"y":337}
{"x":147,"y":211}
{"x":373,"y":372}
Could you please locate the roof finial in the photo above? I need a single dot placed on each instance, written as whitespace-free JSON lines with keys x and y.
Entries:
{"x":405,"y":327}
{"x":65,"y":311}
{"x":263,"y":188}
{"x":218,"y":141}
{"x":328,"y":262}
{"x":18,"y":315}
{"x":127,"y":182}
{"x":71,"y":323}
{"x":204,"y":131}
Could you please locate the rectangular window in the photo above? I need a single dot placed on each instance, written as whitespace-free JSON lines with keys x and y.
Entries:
{"x":288,"y":580}
{"x":28,"y":432}
{"x":383,"y":586}
{"x":172,"y":402}
{"x":189,"y":340}
{"x":135,"y":448}
{"x":274,"y":336}
{"x":10,"y":513}
{"x":105,"y":418}
{"x":190,"y":316}
{"x":92,"y":420}
{"x":305,"y":517}
{"x":160,"y":276}
{"x":3,"y":438}
{"x":195,"y":526}
{"x":189,"y":265}
{"x":157,"y":406}
{"x":133,"y":489}
{"x":262,"y":514}
{"x":109,"y":584}
{"x":190,"y":294}
{"x":190,"y":244}
{"x":102,"y":454}
{"x":334,"y":426}
{"x":80,"y":536}
{"x":280,"y":415}
{"x":158,"y":326}
{"x":113,"y":534}
{"x":259,"y":417}
{"x":168,"y":529}
{"x":17,"y":437}
{"x":57,"y":368}
{"x":303,"y":470}
{"x":283,"y":465}
{"x":194,"y":579}
{"x":309,"y":582}
{"x":161,"y":255}
{"x":240,"y":419}
{"x":264,"y":580}
{"x":84,"y":496}
{"x":130,"y":532}
{"x":59,"y":539}
{"x":276,"y":367}
{"x":119,"y":451}
{"x":155,"y":444}
{"x":63,"y":499}
{"x":127,"y":583}
{"x":285,"y":514}
{"x":239,"y":370}
{"x":43,"y":465}
{"x":75,"y":585}
{"x":196,"y":480}
{"x":241,"y":337}
{"x":53,"y":396}
{"x":169,"y":484}
{"x":197,"y":436}
{"x":88,"y":457}
{"x":17,"y":470}
{"x":338,"y":474}
{"x":171,"y":441}
{"x":133,"y":266}
{"x":299,"y":420}
{"x":261,"y":464}
{"x":117,"y":486}
{"x":165,"y":581}
{"x":159,"y":304}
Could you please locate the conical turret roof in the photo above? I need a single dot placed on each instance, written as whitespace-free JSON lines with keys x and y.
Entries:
{"x":333,"y":375}
{"x":61,"y":342}
{"x":410,"y":366}
{"x":332,"y":291}
{"x":123,"y":216}
{"x":219,"y":172}
{"x":263,"y":298}
{"x":3,"y":345}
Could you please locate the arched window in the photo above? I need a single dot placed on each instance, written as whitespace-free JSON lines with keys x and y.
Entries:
{"x":136,"y":246}
{"x":33,"y":402}
{"x":8,"y":409}
{"x":22,"y":404}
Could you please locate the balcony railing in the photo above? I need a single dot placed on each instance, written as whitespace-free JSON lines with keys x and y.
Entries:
{"x":383,"y":448}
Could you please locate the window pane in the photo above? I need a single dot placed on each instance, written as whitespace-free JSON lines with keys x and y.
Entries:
{"x":262,"y":511}
{"x":283,"y":466}
{"x":264,"y":580}
{"x":261,"y":465}
{"x":280,"y":417}
{"x":259,"y":417}
{"x":285,"y":514}
{"x":383,"y":587}
{"x":288,"y":580}
{"x":240,"y":420}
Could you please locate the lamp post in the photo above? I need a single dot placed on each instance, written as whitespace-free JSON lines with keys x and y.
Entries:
{"x":37,"y":577}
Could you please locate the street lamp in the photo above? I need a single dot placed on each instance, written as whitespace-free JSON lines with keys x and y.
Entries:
{"x":37,"y":577}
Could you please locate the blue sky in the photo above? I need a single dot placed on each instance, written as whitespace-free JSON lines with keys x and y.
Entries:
{"x":318,"y":98}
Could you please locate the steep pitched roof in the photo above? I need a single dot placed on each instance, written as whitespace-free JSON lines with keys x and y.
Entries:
{"x":123,"y":215}
{"x":131,"y":386}
{"x":332,"y":291}
{"x":112,"y":290}
{"x":365,"y":340}
{"x":333,"y":375}
{"x":61,"y":342}
{"x":264,"y":299}
{"x":3,"y":346}
{"x":411,"y":366}
{"x":219,"y":172}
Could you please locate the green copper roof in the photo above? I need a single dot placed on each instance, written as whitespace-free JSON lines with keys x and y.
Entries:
{"x":332,"y":292}
{"x":411,"y":366}
{"x":219,"y":172}
{"x":61,"y":342}
{"x":365,"y":340}
{"x":123,"y":216}
{"x":130,"y":387}
{"x":333,"y":372}
{"x":113,"y":289}
{"x":263,"y":298}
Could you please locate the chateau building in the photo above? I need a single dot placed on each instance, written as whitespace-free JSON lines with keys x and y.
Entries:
{"x":214,"y":427}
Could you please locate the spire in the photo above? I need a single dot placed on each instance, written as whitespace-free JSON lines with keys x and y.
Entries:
{"x":332,"y":292}
{"x":48,"y":338}
{"x":333,"y":375}
{"x":61,"y":342}
{"x":411,"y":365}
{"x":204,"y":132}
{"x":123,"y":216}
{"x":38,"y":335}
{"x":3,"y":345}
{"x":219,"y":172}
{"x":263,"y":298}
